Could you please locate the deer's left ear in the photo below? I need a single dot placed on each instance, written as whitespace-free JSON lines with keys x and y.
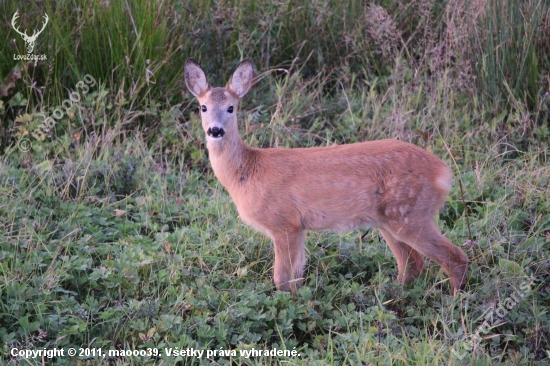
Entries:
{"x":242,"y":78}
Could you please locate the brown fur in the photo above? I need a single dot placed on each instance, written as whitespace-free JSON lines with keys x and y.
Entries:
{"x":388,"y":184}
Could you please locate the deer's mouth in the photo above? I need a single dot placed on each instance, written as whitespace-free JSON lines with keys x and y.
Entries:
{"x":215,"y":132}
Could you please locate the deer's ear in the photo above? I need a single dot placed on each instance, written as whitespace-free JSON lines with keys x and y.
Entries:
{"x":242,"y":78}
{"x":194,"y":78}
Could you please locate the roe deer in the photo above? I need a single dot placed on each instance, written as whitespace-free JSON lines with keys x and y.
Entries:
{"x":394,"y":186}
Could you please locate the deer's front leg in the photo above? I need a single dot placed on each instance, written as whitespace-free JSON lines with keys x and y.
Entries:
{"x":289,"y":259}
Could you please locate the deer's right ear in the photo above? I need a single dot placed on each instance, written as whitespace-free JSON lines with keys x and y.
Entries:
{"x":194,"y":78}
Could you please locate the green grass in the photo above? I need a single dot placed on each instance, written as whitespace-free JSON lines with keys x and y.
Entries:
{"x":115,"y":234}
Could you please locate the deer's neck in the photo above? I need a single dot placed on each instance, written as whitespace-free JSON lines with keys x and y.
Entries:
{"x":233,"y":161}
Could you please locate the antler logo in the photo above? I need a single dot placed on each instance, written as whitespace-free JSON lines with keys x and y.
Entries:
{"x":29,"y":40}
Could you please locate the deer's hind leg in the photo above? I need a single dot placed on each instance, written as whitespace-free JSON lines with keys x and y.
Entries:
{"x":409,"y":262}
{"x":427,"y":239}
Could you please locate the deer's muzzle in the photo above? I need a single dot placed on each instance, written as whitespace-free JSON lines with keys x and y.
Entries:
{"x":215,"y":132}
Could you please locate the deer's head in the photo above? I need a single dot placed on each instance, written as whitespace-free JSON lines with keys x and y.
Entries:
{"x":219,"y":105}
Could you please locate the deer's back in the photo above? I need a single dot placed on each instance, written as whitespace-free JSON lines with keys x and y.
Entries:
{"x":342,"y":187}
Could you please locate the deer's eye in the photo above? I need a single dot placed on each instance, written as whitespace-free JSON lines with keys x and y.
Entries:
{"x":204,"y":108}
{"x":230,"y":109}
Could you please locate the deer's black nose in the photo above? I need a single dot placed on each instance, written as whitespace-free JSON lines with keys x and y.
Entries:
{"x":215,"y":132}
